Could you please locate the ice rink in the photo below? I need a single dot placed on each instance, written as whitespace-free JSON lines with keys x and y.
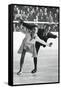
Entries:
{"x":47,"y":64}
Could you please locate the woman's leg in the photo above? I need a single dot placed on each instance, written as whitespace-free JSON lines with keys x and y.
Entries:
{"x":22,"y":60}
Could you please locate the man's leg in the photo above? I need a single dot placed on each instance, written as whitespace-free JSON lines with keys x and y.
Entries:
{"x":35,"y":65}
{"x":37,"y":45}
{"x":22,"y":60}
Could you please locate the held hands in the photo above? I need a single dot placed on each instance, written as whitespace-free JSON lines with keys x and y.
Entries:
{"x":49,"y":45}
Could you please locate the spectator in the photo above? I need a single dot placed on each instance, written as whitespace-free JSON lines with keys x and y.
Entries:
{"x":41,"y":14}
{"x":50,"y":17}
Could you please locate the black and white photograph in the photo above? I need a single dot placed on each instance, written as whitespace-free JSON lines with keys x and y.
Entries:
{"x":35,"y":44}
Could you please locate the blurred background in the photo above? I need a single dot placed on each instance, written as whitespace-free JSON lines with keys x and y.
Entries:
{"x":37,"y":14}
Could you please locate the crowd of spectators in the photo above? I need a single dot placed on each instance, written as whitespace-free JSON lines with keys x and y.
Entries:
{"x":37,"y":14}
